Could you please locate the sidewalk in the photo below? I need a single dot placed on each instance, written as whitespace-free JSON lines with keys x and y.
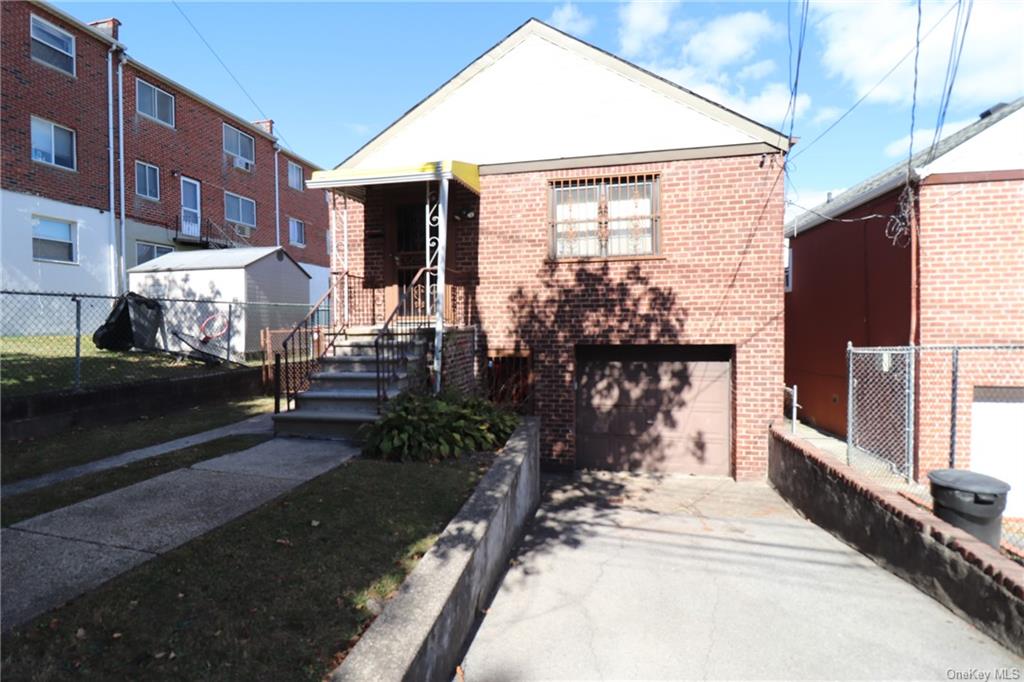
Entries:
{"x":59,"y":555}
{"x":261,"y":423}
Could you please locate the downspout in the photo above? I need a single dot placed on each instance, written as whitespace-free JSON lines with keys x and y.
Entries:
{"x":120,"y":160}
{"x":112,"y":247}
{"x":277,"y":195}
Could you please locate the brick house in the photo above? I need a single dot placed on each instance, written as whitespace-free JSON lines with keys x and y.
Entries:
{"x":955,"y":277}
{"x":107,"y":164}
{"x":617,"y":231}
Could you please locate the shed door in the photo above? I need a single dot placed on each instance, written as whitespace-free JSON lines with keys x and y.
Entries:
{"x":654,"y":408}
{"x":997,"y":440}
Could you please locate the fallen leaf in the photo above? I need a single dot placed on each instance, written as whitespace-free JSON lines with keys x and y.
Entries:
{"x":116,"y":635}
{"x":54,"y":623}
{"x":181,"y":595}
{"x":460,"y":674}
{"x":172,"y":656}
{"x":80,"y":633}
{"x":284,"y":541}
{"x":217,"y":634}
{"x":160,"y":654}
{"x":314,"y":523}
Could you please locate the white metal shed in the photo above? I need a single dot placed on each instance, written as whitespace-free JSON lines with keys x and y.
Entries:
{"x":245,"y":289}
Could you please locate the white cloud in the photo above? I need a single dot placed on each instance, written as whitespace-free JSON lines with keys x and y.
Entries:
{"x":570,"y":19}
{"x":717,"y":59}
{"x":728,"y":39}
{"x":923,"y":137}
{"x":756,"y":71}
{"x":358,"y":128}
{"x":863,"y":40}
{"x":641,"y":23}
{"x":826,"y":115}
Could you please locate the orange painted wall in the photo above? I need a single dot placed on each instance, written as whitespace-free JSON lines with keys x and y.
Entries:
{"x":850,"y":283}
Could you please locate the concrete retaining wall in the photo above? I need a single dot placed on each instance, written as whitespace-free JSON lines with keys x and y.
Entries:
{"x":975,"y":581}
{"x":422,"y":632}
{"x":35,"y":415}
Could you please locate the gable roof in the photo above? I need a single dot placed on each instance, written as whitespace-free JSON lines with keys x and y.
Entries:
{"x":213,"y":259}
{"x":895,"y":175}
{"x":745,"y":129}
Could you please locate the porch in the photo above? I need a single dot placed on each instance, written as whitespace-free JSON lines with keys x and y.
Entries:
{"x":403,"y":274}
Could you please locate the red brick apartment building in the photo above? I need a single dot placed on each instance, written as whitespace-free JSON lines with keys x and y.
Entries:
{"x":955,"y":279}
{"x":618,"y":234}
{"x":107,"y":164}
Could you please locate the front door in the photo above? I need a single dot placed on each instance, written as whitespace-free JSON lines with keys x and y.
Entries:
{"x":191,"y":211}
{"x":410,"y":255}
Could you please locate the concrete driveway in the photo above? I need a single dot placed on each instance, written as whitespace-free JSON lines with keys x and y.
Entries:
{"x":636,"y":577}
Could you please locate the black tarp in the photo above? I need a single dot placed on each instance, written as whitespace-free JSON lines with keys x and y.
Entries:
{"x":134,"y":322}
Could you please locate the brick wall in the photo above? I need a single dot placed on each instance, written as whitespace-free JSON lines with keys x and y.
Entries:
{"x":192,"y":148}
{"x":77,"y":102}
{"x":459,"y":364}
{"x":718,"y":281}
{"x":971,"y":292}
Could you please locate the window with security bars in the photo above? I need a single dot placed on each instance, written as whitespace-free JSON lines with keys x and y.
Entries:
{"x":604,"y":217}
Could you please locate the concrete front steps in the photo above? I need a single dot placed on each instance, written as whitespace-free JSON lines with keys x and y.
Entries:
{"x":342,"y":396}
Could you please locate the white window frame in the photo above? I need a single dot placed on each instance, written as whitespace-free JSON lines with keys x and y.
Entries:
{"x":302,"y":175}
{"x":157,"y":90}
{"x":55,"y":27}
{"x":291,"y":235}
{"x":224,"y":144}
{"x":170,"y":249}
{"x":199,"y":200}
{"x":241,"y":198}
{"x":73,"y":224}
{"x":787,"y":266}
{"x":157,"y":169}
{"x":54,"y":164}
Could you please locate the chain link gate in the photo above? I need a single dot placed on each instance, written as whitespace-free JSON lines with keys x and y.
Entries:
{"x":880,"y":408}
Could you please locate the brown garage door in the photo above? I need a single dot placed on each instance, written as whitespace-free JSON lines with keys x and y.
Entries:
{"x":653,"y":408}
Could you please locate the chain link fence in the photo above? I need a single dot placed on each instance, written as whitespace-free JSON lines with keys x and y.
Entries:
{"x":915,"y":409}
{"x":46,"y":340}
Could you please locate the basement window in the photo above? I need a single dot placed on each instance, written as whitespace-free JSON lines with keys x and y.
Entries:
{"x":154,"y":103}
{"x":604,"y":217}
{"x":53,"y":240}
{"x":53,"y":46}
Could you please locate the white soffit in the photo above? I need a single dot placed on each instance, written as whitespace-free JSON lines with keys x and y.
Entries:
{"x":541,"y":94}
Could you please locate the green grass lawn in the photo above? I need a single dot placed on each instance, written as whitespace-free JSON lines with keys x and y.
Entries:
{"x":279,"y":594}
{"x":34,"y":364}
{"x":35,"y":456}
{"x":17,"y":508}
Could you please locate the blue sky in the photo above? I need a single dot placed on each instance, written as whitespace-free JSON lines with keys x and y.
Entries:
{"x":334,"y":74}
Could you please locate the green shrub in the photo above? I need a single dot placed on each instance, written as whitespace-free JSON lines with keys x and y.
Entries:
{"x":419,"y":427}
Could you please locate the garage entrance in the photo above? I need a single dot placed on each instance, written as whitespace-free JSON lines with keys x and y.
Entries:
{"x":654,"y":408}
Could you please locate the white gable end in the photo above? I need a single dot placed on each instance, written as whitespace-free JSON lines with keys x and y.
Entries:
{"x":996,"y":148}
{"x":540,"y":100}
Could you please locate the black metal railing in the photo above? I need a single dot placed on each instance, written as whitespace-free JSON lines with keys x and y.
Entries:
{"x":397,"y":338}
{"x":349,"y":302}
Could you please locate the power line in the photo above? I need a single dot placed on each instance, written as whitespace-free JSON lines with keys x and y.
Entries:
{"x":804,"y":148}
{"x":871,"y":216}
{"x":952,"y":68}
{"x":233,"y":77}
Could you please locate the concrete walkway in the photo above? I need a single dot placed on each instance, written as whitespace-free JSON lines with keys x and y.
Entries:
{"x":57,"y":556}
{"x":634,"y":577}
{"x":261,"y":423}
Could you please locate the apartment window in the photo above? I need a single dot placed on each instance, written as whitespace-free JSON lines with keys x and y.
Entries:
{"x":145,"y":251}
{"x":239,"y":209}
{"x":239,"y":145}
{"x":53,"y":46}
{"x":53,"y":144}
{"x":53,"y":240}
{"x":147,"y":181}
{"x":604,"y":217}
{"x":295,"y":175}
{"x":297,"y":232}
{"x":153,"y":102}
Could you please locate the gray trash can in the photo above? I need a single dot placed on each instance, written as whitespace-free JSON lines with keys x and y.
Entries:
{"x":971,"y":501}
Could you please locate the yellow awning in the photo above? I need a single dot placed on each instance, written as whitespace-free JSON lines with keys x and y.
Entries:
{"x":466,"y":174}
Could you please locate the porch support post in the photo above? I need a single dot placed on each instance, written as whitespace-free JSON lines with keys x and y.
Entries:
{"x":344,"y":246}
{"x":442,"y":246}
